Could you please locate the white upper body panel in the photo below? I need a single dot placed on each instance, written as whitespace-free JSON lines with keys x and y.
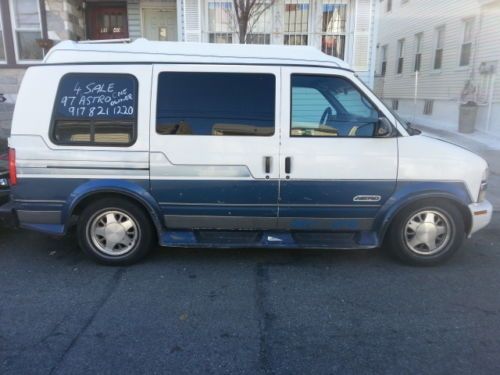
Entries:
{"x":142,"y":50}
{"x":422,"y":158}
{"x":36,"y":152}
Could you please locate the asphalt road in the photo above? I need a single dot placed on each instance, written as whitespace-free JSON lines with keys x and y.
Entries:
{"x":247,"y":311}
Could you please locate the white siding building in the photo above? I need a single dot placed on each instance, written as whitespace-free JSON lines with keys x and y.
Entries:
{"x":433,"y":55}
{"x":342,"y":28}
{"x":28,"y":28}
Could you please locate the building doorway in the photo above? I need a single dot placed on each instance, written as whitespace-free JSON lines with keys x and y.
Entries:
{"x":159,"y":24}
{"x":107,"y":21}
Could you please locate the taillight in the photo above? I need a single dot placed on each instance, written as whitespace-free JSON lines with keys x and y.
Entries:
{"x":12,"y":167}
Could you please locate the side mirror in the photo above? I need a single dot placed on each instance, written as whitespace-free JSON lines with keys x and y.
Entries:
{"x":384,"y":128}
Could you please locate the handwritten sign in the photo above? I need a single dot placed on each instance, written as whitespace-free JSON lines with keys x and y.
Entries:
{"x":97,"y":96}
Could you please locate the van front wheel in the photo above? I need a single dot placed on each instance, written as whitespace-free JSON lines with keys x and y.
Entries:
{"x":427,"y":232}
{"x":114,"y":231}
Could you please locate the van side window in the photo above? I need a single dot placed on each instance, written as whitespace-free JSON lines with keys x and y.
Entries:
{"x":95,"y":110}
{"x":237,"y":104}
{"x":328,"y":106}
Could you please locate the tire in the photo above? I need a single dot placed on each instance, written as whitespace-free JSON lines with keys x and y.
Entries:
{"x":426,"y":233}
{"x":115,"y":231}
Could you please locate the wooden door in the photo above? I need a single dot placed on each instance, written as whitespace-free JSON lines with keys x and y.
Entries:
{"x":108,"y":22}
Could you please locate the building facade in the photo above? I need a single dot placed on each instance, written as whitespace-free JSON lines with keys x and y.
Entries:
{"x":28,"y":28}
{"x":433,"y":56}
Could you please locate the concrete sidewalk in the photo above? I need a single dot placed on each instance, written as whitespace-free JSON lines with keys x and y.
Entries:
{"x":482,"y":144}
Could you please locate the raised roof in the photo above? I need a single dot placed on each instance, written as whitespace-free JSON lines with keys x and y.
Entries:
{"x":143,"y":50}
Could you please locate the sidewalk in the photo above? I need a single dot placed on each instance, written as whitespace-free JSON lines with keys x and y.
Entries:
{"x":486,"y":146}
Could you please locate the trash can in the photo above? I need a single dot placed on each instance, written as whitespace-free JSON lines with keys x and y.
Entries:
{"x":467,"y":117}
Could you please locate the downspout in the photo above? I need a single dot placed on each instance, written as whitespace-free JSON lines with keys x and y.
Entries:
{"x":373,"y":31}
{"x":43,"y":18}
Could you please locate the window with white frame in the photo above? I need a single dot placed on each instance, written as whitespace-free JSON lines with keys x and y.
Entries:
{"x":333,"y":28}
{"x":466,"y":47}
{"x":296,"y":22}
{"x":2,"y":43}
{"x":259,"y":27}
{"x":418,"y":51}
{"x":401,"y":52}
{"x":428,"y":107}
{"x":389,"y":6}
{"x":220,"y":22}
{"x":383,"y":58}
{"x":27,"y":29}
{"x":438,"y":48}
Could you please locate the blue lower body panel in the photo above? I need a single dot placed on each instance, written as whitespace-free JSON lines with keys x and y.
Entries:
{"x":270,"y":239}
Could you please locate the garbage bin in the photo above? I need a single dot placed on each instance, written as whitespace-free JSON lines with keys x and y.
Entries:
{"x":467,"y":117}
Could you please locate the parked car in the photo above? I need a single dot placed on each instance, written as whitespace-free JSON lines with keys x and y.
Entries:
{"x":5,"y":220}
{"x":199,"y":145}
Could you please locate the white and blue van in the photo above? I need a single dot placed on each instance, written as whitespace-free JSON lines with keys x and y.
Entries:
{"x":202,"y":145}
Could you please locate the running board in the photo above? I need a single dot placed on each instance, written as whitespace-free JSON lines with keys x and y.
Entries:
{"x":269,"y":239}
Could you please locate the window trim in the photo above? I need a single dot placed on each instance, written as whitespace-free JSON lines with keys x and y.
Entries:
{"x":435,"y":49}
{"x":401,"y":56}
{"x":418,"y":43}
{"x":259,"y":35}
{"x":394,"y":133}
{"x":53,"y":119}
{"x":428,"y":107}
{"x":384,"y":50}
{"x":472,"y":21}
{"x":11,"y":61}
{"x":16,"y":29}
{"x":232,"y":33}
{"x":340,"y":34}
{"x":268,"y":25}
{"x":309,"y":33}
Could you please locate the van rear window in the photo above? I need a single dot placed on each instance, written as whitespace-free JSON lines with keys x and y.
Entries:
{"x":95,"y":110}
{"x":192,"y":103}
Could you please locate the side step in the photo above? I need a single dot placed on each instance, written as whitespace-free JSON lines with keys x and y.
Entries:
{"x":269,"y":239}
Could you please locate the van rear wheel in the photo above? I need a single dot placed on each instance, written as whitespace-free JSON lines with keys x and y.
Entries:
{"x":114,"y":231}
{"x":427,"y":232}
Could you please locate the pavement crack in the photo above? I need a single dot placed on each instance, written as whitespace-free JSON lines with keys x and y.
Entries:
{"x":110,"y":289}
{"x":264,"y":318}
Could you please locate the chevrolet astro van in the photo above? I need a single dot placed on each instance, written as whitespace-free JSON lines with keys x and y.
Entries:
{"x":202,"y":145}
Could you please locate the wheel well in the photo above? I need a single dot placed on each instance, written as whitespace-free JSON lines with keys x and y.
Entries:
{"x":77,"y":210}
{"x":463,"y":209}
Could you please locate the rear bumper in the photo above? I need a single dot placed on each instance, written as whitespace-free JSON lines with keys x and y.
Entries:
{"x":481,"y":215}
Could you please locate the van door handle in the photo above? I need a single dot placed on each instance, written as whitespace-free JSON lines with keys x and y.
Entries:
{"x":288,"y":164}
{"x":267,"y":164}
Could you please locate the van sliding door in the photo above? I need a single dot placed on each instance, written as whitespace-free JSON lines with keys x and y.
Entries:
{"x":215,"y":146}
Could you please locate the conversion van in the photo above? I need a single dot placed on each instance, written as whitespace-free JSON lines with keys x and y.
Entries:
{"x":202,"y":145}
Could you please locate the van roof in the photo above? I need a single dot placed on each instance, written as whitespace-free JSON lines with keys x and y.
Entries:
{"x":142,"y":51}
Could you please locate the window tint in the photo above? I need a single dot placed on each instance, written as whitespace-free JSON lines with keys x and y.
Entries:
{"x":325,"y":106}
{"x":215,"y":104}
{"x":96,"y":109}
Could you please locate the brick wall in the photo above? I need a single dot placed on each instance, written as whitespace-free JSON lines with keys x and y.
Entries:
{"x":65,"y":19}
